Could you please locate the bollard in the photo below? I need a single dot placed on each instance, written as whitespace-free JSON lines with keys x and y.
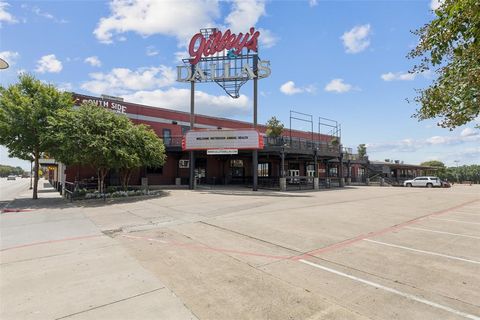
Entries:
{"x":316,"y":184}
{"x":283,"y":184}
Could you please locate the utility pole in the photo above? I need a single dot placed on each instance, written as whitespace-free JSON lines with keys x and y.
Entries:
{"x":456,"y":171}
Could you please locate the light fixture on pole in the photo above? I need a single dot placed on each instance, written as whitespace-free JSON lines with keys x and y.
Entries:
{"x":3,"y":64}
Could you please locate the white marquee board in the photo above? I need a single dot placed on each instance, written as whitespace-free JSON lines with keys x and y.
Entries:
{"x":222,"y":139}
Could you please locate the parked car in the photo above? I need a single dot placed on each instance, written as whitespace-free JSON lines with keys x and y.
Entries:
{"x":428,"y":182}
{"x":11,"y":177}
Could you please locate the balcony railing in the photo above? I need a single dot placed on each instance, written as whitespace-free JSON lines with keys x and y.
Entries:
{"x":287,"y":143}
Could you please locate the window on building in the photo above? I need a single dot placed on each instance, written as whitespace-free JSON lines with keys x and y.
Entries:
{"x":236,"y":163}
{"x":310,"y":169}
{"x":167,"y":137}
{"x":236,"y":168}
{"x":293,"y":166}
{"x":263,"y":169}
{"x":185,"y":129}
{"x":154,"y":170}
{"x":183,"y":164}
{"x":333,"y":171}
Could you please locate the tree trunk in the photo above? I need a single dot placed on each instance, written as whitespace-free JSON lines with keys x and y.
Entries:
{"x":35,"y":174}
{"x":129,"y":175}
{"x":102,"y":173}
{"x":123,"y":178}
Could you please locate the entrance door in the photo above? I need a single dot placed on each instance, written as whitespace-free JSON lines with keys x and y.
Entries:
{"x":201,"y":170}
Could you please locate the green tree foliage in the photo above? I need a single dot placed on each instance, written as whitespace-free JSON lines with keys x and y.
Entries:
{"x":9,"y":170}
{"x":143,"y":149}
{"x":450,"y":43}
{"x":464,"y":173}
{"x":24,"y":109}
{"x":362,"y":150}
{"x":439,"y":165}
{"x":274,"y":128}
{"x":104,"y":140}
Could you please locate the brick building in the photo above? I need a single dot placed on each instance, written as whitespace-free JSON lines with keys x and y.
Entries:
{"x":304,"y":154}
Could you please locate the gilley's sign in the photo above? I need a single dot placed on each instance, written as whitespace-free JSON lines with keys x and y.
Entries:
{"x":217,"y":42}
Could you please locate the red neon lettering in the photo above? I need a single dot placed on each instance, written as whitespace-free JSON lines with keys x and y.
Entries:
{"x":218,"y":42}
{"x":196,"y":54}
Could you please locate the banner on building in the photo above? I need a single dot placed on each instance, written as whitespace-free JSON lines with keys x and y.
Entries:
{"x":222,"y":139}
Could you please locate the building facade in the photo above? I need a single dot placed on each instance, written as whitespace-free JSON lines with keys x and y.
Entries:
{"x":302,"y":155}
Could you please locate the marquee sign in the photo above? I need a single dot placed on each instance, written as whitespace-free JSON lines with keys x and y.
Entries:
{"x":228,"y":59}
{"x":222,"y":139}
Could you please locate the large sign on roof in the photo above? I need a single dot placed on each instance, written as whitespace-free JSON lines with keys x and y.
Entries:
{"x":228,"y":59}
{"x":222,"y":139}
{"x":218,"y":42}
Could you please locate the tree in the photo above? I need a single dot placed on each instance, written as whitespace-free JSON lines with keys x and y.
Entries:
{"x":274,"y":128}
{"x":24,"y":109}
{"x":362,"y":150}
{"x":9,"y":170}
{"x":144,"y":149}
{"x":91,"y":136}
{"x":450,"y":42}
{"x":104,"y":140}
{"x":439,"y":165}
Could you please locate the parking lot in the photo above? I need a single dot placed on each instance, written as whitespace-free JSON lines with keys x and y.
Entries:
{"x":352,"y":253}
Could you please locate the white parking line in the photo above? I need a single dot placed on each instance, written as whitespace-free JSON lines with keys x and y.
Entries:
{"x":443,"y":232}
{"x":395,"y":291}
{"x":423,"y":251}
{"x":461,"y":221}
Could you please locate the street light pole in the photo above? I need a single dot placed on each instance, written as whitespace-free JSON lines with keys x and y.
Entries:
{"x":456,"y":171}
{"x":31,"y":170}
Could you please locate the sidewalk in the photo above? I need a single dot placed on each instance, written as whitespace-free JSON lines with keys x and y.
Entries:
{"x":57,"y":264}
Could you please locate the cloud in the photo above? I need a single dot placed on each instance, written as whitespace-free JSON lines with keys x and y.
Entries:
{"x":289,"y":88}
{"x":37,"y":11}
{"x":267,"y":39}
{"x":312,"y":3}
{"x":148,"y":17}
{"x":338,"y":86}
{"x":245,"y":14}
{"x":468,"y":132}
{"x":123,"y":81}
{"x":49,"y":63}
{"x":10,"y":56}
{"x":4,"y":15}
{"x":356,"y":40}
{"x":179,"y":99}
{"x":65,"y":86}
{"x":151,"y":51}
{"x":93,"y":61}
{"x":406,"y":76}
{"x":409,"y":145}
{"x":435,"y":4}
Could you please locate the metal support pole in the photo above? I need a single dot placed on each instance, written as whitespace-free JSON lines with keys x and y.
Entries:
{"x":31,"y":173}
{"x":315,"y":160}
{"x":255,"y":101}
{"x":282,"y":168}
{"x":192,"y":122}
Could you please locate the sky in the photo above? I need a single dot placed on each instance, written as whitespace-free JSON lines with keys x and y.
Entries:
{"x":342,"y":60}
